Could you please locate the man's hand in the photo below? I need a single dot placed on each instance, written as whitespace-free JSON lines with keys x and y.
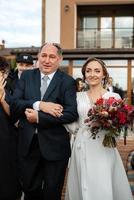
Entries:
{"x":53,"y":109}
{"x":31,"y":115}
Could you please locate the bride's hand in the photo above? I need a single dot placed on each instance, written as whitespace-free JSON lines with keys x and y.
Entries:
{"x":53,"y":109}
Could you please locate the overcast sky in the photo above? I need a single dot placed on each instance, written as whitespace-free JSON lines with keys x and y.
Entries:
{"x":20,"y":22}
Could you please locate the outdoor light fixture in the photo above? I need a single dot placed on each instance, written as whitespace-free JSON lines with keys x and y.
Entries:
{"x":66,"y":8}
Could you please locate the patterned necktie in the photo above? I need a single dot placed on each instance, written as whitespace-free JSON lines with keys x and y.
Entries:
{"x":43,"y":87}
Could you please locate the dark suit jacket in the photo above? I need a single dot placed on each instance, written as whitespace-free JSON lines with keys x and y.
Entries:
{"x":12,"y":81}
{"x":119,"y":91}
{"x":53,"y":137}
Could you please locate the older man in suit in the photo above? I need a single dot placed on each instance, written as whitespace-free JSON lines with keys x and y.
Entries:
{"x":43,"y":101}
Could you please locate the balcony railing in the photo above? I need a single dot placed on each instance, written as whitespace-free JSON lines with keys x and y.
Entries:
{"x":105,"y":38}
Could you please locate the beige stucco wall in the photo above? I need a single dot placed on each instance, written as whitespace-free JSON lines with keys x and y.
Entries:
{"x":68,"y":18}
{"x":52,"y":20}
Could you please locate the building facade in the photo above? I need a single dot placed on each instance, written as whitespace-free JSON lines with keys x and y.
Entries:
{"x":100,"y":28}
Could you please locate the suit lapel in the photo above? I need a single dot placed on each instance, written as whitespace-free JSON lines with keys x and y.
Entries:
{"x":55,"y":80}
{"x":37,"y":83}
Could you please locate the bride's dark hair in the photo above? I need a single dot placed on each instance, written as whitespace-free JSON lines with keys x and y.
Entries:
{"x":105,"y":72}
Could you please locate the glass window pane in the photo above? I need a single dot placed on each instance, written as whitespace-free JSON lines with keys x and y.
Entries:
{"x":78,"y":63}
{"x":116,"y":62}
{"x":106,"y":22}
{"x":88,"y":32}
{"x":90,"y":23}
{"x":106,"y":32}
{"x":64,"y":63}
{"x":87,"y":38}
{"x":77,"y":73}
{"x":106,"y":38}
{"x":124,"y":22}
{"x":119,"y":76}
{"x":133,"y":63}
{"x":123,"y":32}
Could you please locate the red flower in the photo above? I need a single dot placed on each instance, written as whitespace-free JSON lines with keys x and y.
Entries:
{"x":100,"y":101}
{"x":111,"y":101}
{"x":111,"y":115}
{"x":128,"y":107}
{"x":122,"y":117}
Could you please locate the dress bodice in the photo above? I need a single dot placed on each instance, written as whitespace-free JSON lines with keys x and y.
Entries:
{"x":83,"y":105}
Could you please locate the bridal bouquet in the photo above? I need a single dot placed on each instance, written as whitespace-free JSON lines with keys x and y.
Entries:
{"x":111,"y":115}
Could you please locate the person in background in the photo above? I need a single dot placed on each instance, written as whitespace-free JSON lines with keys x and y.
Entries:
{"x":111,"y":88}
{"x":43,"y":101}
{"x":36,"y":64}
{"x":80,"y":84}
{"x":9,"y":184}
{"x":24,"y":62}
{"x":95,"y":172}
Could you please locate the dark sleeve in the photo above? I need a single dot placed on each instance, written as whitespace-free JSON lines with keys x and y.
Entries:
{"x":18,"y":102}
{"x":8,"y":97}
{"x":68,"y":93}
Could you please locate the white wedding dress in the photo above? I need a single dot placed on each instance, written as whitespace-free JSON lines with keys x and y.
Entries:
{"x":95,"y":172}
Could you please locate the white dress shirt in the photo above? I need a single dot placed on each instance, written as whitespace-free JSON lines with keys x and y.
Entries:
{"x":50,"y":76}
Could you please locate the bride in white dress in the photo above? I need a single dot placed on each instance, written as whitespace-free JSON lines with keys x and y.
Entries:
{"x":95,"y":172}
